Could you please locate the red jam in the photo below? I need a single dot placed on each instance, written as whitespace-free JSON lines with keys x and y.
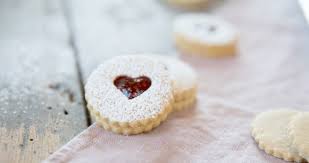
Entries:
{"x":132,"y":87}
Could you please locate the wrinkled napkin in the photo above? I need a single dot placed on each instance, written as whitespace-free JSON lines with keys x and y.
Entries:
{"x":271,"y":71}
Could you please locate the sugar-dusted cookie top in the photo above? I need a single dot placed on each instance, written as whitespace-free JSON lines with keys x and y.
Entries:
{"x":129,"y":88}
{"x":205,"y":29}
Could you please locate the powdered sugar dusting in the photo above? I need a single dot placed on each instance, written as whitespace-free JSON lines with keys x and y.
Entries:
{"x":110,"y":102}
{"x":27,"y":71}
{"x":205,"y":28}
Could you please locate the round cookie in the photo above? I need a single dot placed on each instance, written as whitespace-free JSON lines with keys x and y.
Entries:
{"x":204,"y":35}
{"x":130,"y":94}
{"x":184,"y":81}
{"x":269,"y":129}
{"x":299,"y":133}
{"x":189,"y":4}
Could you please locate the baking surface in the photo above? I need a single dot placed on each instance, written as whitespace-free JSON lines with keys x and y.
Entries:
{"x":52,"y":47}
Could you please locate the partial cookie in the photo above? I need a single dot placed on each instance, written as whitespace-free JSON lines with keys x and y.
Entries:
{"x":190,"y":4}
{"x":299,"y":133}
{"x":205,"y":35}
{"x":130,"y":94}
{"x":269,"y":129}
{"x":184,"y":80}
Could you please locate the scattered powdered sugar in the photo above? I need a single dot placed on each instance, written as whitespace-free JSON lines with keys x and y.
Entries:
{"x":26,"y":73}
{"x":110,"y":102}
{"x":17,"y":80}
{"x":205,"y":28}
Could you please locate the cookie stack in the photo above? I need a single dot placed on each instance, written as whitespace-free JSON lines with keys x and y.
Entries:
{"x":283,"y":133}
{"x":134,"y":94}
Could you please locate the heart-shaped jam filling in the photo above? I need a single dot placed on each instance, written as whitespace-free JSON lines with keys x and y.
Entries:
{"x":132,"y":87}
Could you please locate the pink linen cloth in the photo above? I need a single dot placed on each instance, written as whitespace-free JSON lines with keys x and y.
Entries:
{"x":270,"y":71}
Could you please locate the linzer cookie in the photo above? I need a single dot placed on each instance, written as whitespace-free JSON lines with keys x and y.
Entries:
{"x":205,"y":35}
{"x":269,"y":129}
{"x":130,"y":94}
{"x":184,"y":81}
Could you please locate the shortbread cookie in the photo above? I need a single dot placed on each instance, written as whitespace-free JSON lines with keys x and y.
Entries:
{"x":130,"y":94}
{"x":189,"y":4}
{"x":205,"y":35}
{"x":269,"y":130}
{"x":184,"y":81}
{"x":299,"y":133}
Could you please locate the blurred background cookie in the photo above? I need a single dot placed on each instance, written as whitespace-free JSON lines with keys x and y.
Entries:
{"x":205,"y":35}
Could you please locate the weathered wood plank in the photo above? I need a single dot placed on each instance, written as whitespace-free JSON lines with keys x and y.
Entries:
{"x":41,"y":107}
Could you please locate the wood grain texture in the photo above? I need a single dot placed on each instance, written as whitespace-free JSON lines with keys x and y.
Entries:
{"x":40,"y":101}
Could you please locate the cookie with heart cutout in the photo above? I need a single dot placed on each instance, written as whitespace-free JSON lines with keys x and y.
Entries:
{"x":130,"y":94}
{"x":184,"y":80}
{"x":205,"y":35}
